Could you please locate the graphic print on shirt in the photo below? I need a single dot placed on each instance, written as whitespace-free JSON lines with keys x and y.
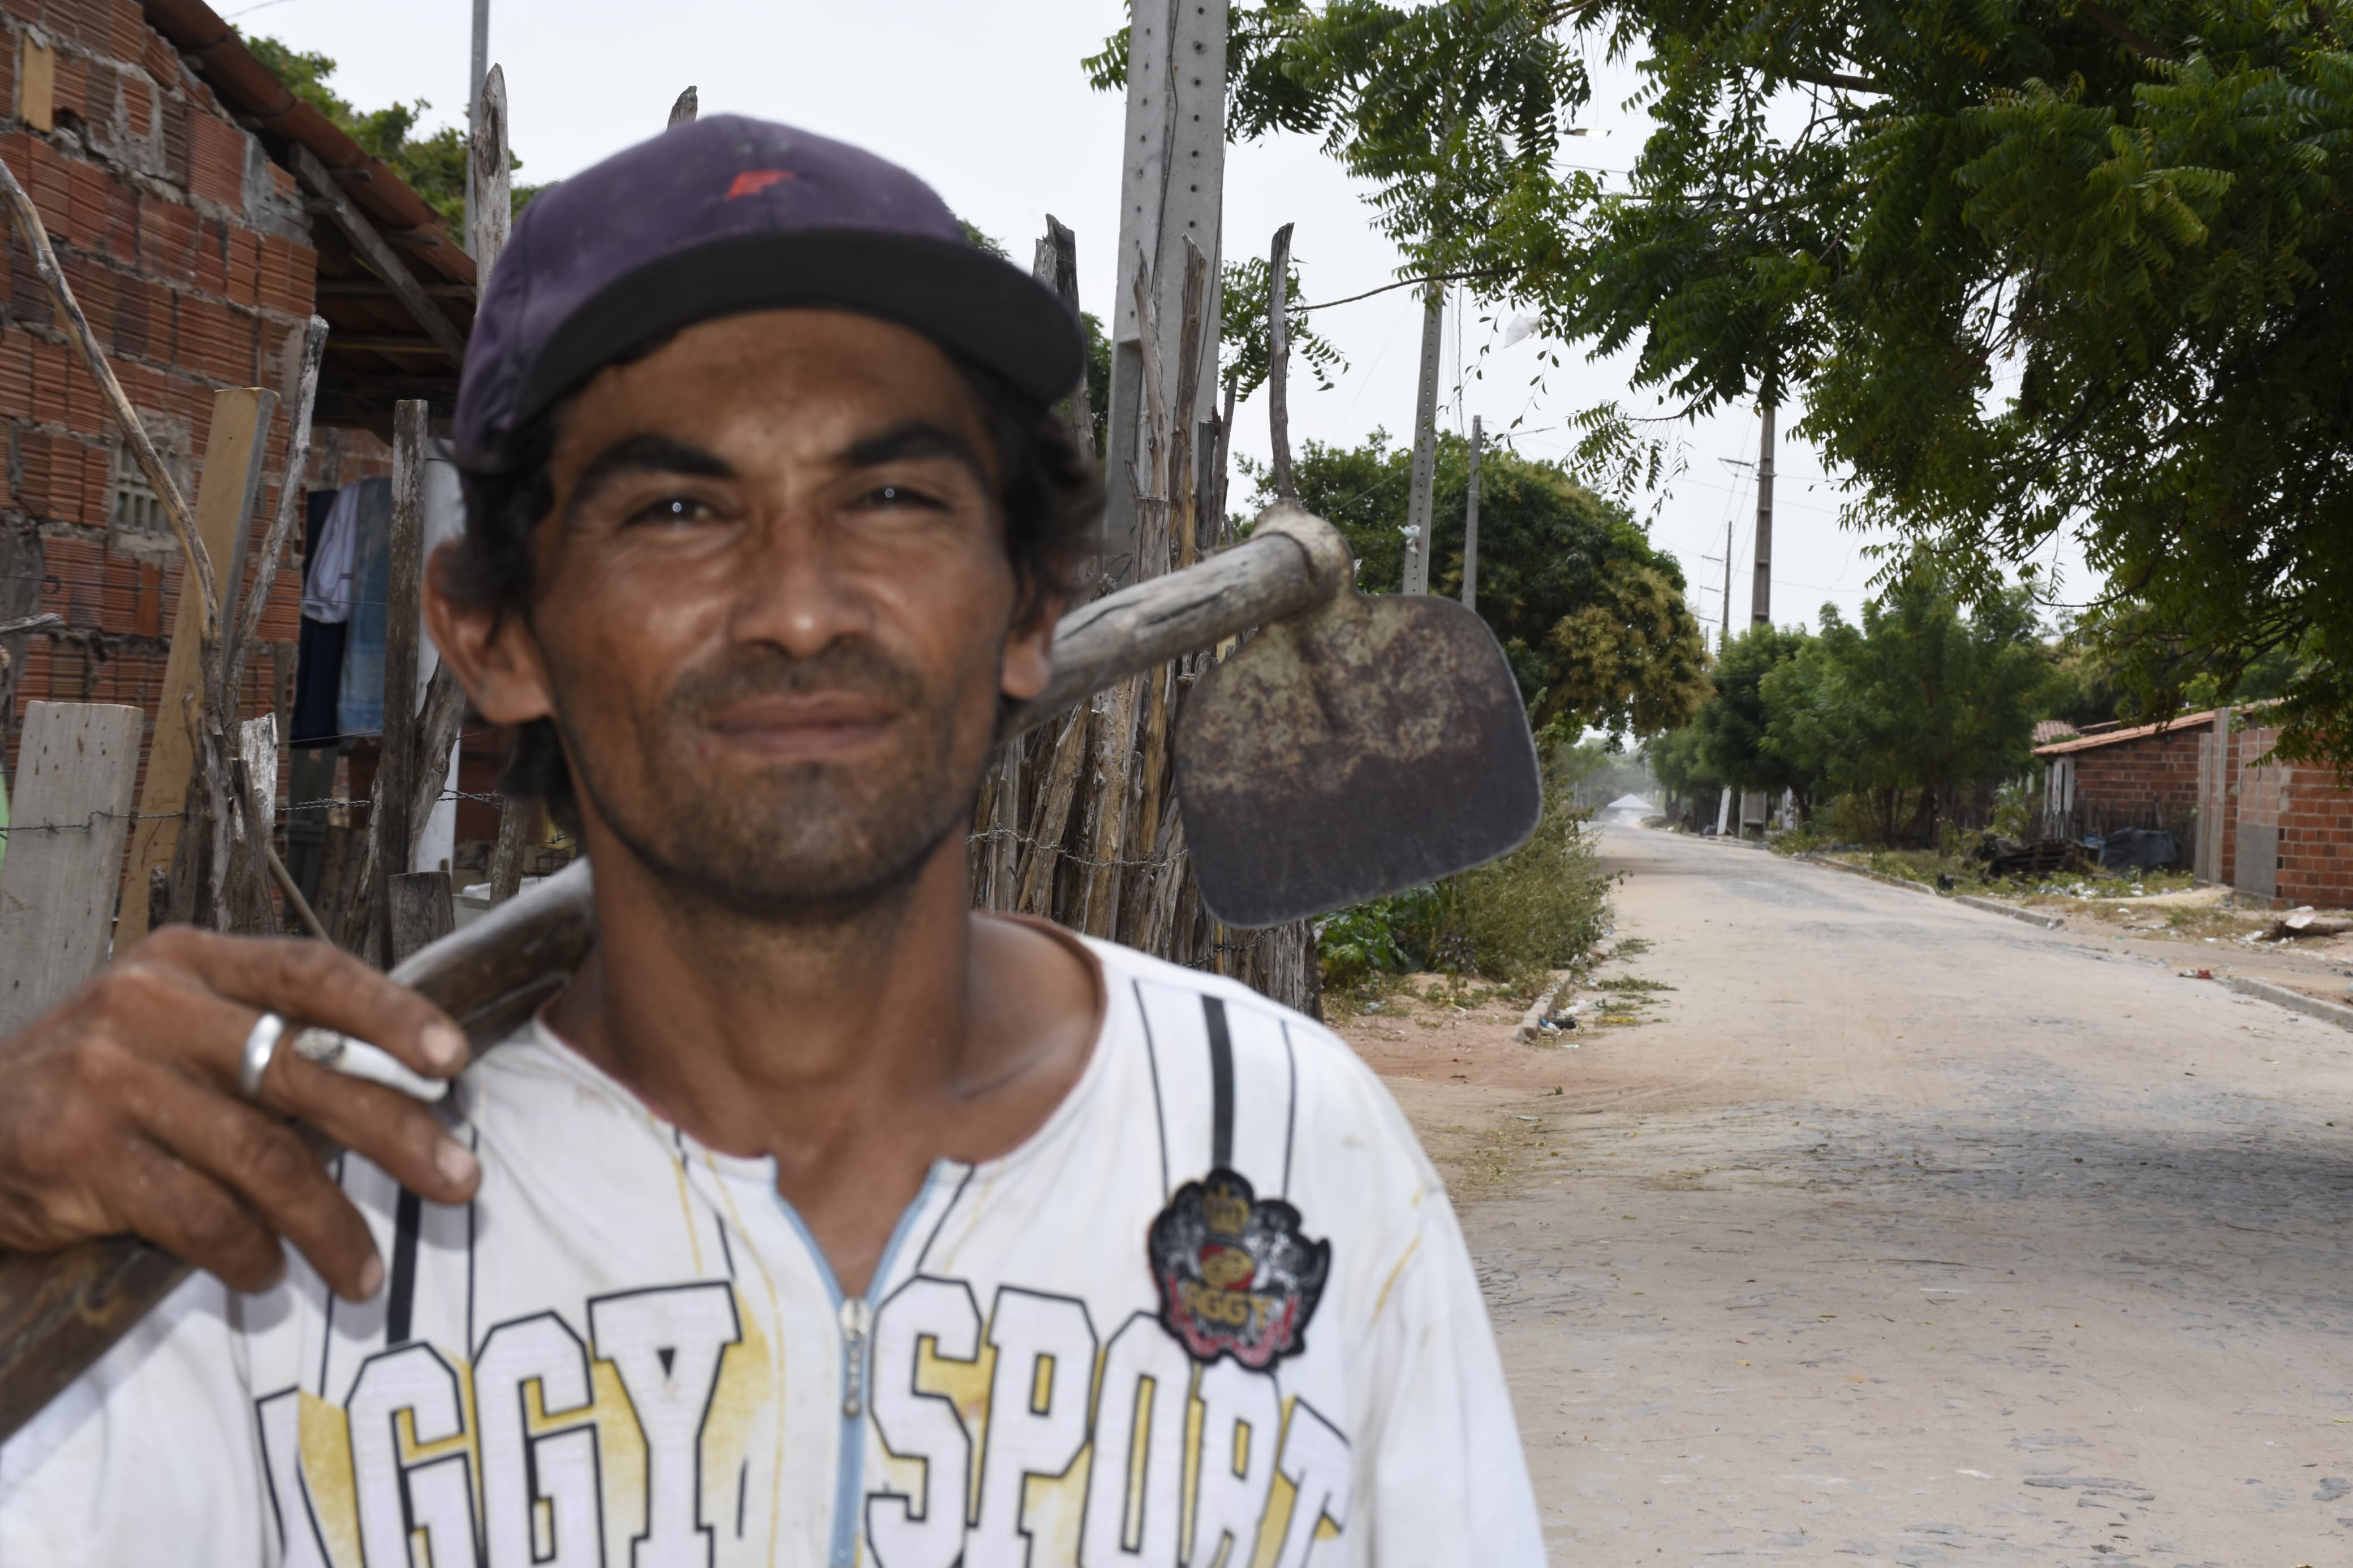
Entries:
{"x":623,"y":1447}
{"x":1236,"y":1275}
{"x":1017,"y":1439}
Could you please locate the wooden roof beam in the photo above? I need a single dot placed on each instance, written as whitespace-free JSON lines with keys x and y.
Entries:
{"x":377,"y":253}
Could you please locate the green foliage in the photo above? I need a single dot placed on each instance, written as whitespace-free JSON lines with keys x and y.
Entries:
{"x":1734,"y":745}
{"x":1098,"y":375}
{"x":1920,"y":704}
{"x":1453,"y":110}
{"x":2032,"y":265}
{"x":1677,"y":761}
{"x":1243,"y":339}
{"x":433,"y":167}
{"x":2027,"y":267}
{"x":1543,"y":907}
{"x":1589,"y":612}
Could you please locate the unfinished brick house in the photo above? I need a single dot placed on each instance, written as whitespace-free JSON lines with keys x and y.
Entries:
{"x":201,"y":214}
{"x":2273,"y":831}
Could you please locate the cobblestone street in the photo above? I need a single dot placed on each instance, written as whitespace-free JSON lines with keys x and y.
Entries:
{"x":1906,"y":1233}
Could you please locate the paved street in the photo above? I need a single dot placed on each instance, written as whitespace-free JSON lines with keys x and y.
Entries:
{"x":1908,"y":1234}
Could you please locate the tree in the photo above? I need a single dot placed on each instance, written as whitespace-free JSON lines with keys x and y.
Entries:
{"x":433,"y":167}
{"x":2029,"y":266}
{"x":1734,"y":742}
{"x":1921,"y":704}
{"x":1589,"y":612}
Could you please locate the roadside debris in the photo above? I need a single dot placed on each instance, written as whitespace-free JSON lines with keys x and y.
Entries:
{"x":2304,"y":922}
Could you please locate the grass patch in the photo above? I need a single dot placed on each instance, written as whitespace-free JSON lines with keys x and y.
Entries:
{"x":1512,"y":921}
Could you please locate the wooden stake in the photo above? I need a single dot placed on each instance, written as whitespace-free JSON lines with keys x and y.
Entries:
{"x":1052,"y":814}
{"x":486,"y":156}
{"x":1418,"y":515}
{"x":683,"y":111}
{"x":1278,"y":363}
{"x":178,"y":751}
{"x":420,"y":911}
{"x":390,"y":826}
{"x":74,"y":776}
{"x":281,"y":522}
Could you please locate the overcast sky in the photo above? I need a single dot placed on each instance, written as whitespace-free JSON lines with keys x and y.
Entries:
{"x":988,"y":104}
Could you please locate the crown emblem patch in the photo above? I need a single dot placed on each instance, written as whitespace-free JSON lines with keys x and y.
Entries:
{"x":1237,"y":1278}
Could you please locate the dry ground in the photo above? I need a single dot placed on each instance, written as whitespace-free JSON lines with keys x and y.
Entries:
{"x":1906,"y":1233}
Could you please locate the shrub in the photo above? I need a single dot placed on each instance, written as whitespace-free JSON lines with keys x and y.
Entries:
{"x":1542,"y":907}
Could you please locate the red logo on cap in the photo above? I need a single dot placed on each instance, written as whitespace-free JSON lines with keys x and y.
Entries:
{"x":752,"y":182}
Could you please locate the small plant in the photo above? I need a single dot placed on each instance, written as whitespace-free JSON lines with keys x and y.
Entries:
{"x":1541,"y":908}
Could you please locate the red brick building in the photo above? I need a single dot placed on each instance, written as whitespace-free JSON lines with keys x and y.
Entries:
{"x":201,"y":214}
{"x":2273,"y":831}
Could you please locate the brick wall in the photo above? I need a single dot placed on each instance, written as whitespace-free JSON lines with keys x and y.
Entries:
{"x":2314,"y":815}
{"x":189,"y":252}
{"x":2126,"y":778}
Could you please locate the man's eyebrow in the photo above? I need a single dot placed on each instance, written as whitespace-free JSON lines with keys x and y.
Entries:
{"x":646,"y":455}
{"x":914,"y":439}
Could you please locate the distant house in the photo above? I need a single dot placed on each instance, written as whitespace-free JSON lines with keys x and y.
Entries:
{"x":201,"y":213}
{"x":2274,"y":831}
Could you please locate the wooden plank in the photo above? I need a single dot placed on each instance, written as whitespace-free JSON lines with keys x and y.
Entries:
{"x":377,"y":252}
{"x":74,"y":782}
{"x":392,"y":827}
{"x":37,"y":85}
{"x":225,"y":500}
{"x":421,"y":911}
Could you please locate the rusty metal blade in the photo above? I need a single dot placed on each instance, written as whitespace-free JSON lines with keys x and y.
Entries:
{"x":1353,"y":750}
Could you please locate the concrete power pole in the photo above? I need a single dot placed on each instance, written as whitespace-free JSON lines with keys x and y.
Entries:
{"x":1760,"y":597}
{"x":1417,"y":513}
{"x":1171,"y":184}
{"x":1471,"y":522}
{"x":474,"y":98}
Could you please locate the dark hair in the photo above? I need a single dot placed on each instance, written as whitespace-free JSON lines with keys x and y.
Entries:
{"x":1049,"y":491}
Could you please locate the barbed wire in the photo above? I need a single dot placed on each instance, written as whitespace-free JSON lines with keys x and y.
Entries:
{"x":1024,"y":838}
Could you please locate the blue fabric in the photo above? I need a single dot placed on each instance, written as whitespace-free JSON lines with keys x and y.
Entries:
{"x":359,"y":704}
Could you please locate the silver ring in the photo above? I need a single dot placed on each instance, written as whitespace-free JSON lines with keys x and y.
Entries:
{"x":259,"y":1046}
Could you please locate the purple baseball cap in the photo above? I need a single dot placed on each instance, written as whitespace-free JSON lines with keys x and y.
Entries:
{"x":725,"y":215}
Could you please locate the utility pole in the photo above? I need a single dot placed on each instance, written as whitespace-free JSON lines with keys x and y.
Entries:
{"x":1171,"y":187}
{"x":1724,"y":629}
{"x":473,"y":102}
{"x":1760,"y":597}
{"x":1425,"y":443}
{"x":1471,"y":522}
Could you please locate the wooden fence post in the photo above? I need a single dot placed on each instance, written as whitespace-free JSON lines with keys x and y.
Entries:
{"x":421,"y":911}
{"x":390,"y":824}
{"x":75,"y":776}
{"x":225,"y":501}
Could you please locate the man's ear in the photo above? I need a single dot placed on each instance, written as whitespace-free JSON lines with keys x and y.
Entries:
{"x":1029,"y":660}
{"x":491,"y":649}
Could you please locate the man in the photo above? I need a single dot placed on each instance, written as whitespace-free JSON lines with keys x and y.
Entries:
{"x":820,"y":1220}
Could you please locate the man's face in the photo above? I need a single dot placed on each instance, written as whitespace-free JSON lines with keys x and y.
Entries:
{"x":771,"y":609}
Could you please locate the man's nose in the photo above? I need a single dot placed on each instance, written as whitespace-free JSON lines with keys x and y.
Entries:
{"x":791,"y":592}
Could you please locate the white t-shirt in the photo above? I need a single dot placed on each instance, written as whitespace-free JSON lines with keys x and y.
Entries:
{"x":1215,"y":1313}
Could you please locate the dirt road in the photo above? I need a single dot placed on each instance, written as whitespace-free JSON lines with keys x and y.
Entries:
{"x":1907,"y":1234}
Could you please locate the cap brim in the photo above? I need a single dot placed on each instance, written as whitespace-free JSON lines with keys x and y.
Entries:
{"x":975,"y":306}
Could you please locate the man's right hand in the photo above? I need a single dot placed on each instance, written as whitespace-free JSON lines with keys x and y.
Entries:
{"x":121,"y":1110}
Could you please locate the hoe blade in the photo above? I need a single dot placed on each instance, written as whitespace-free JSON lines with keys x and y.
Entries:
{"x":1351,"y":752}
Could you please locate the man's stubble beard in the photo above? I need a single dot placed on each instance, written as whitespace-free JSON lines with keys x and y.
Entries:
{"x":809,"y":843}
